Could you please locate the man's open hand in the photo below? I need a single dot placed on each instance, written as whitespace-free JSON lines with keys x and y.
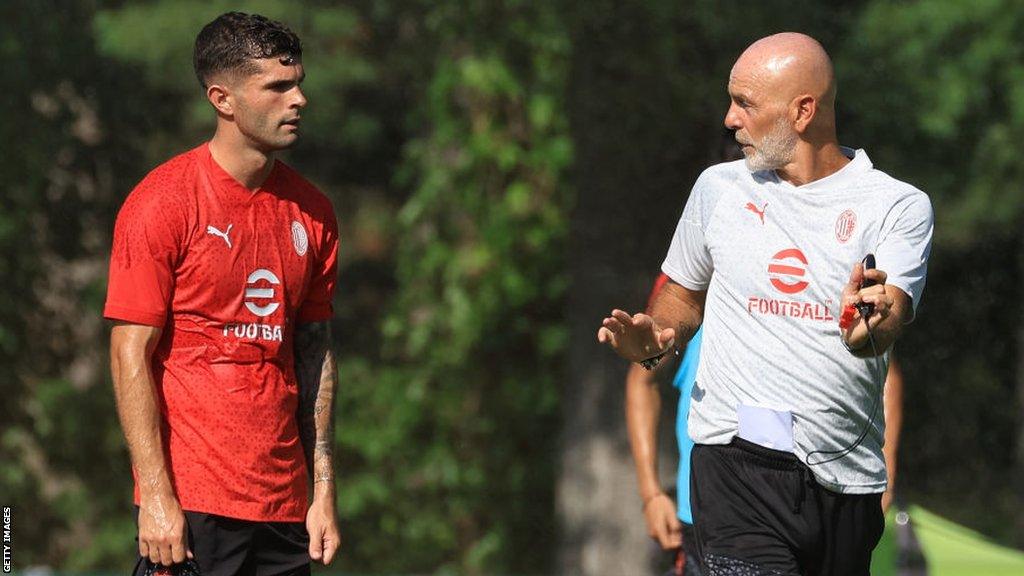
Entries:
{"x":635,"y":337}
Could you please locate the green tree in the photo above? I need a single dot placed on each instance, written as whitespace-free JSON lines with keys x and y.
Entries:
{"x":451,"y":443}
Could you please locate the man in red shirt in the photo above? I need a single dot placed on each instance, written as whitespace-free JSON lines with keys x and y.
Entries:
{"x":221,"y":281}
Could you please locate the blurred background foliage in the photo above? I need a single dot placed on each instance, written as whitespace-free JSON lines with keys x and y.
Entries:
{"x":493,"y":164}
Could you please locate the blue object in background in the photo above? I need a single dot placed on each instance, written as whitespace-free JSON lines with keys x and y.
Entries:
{"x":684,"y":380}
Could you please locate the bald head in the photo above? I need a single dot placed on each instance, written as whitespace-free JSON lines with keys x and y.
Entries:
{"x":783,"y":95}
{"x":786,"y":66}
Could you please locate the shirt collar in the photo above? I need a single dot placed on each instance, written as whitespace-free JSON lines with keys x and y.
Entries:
{"x":858,"y":165}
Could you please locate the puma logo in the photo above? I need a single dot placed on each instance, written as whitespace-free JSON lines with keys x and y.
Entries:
{"x":760,"y":213}
{"x":224,"y":234}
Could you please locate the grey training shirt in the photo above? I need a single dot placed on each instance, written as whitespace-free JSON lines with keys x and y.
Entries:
{"x":774,"y":259}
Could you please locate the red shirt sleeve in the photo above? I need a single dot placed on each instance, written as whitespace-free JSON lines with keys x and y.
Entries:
{"x":318,"y":305}
{"x":146,"y":249}
{"x":658,"y":285}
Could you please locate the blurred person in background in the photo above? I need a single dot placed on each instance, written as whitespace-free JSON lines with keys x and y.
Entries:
{"x":221,"y":281}
{"x":670,"y":523}
{"x":788,"y":470}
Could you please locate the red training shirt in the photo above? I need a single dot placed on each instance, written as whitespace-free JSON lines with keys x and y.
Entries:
{"x":227,"y":273}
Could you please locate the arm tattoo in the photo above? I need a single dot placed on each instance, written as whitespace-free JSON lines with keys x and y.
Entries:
{"x":317,"y":377}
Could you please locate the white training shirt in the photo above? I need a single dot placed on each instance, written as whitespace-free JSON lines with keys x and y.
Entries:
{"x":774,"y":258}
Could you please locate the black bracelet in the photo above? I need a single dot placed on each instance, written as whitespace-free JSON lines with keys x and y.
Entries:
{"x":653,"y":361}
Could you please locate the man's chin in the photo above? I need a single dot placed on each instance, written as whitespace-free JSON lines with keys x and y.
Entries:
{"x":757,"y":163}
{"x":288,"y":140}
{"x":282,"y":143}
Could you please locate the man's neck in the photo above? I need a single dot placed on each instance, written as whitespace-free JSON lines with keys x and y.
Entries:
{"x":244,"y":163}
{"x":813,"y":163}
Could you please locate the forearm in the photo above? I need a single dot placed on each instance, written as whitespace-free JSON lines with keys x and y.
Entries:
{"x":317,"y":375}
{"x":882,"y":337}
{"x":893,"y":409}
{"x":643,"y":408}
{"x":680,"y":309}
{"x":138,"y":407}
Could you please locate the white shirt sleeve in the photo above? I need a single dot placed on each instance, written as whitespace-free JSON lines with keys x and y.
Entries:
{"x":905,"y":243}
{"x":689,"y":262}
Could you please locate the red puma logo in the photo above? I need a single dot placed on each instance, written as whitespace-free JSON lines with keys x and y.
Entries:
{"x":750,"y":206}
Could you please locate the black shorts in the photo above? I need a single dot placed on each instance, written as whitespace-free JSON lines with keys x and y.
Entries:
{"x":226,"y":546}
{"x":759,"y":511}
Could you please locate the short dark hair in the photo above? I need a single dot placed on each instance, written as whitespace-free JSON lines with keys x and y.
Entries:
{"x":233,"y":40}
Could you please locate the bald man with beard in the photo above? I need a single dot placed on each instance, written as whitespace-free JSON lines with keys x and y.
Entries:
{"x":787,"y":471}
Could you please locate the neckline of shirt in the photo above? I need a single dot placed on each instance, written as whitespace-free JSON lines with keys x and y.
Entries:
{"x":223,"y":178}
{"x":858,"y":165}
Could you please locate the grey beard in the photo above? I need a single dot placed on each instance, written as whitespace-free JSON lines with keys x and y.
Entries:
{"x":777,"y":148}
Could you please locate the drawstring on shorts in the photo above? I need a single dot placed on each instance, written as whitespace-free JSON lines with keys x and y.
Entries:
{"x":802,"y":491}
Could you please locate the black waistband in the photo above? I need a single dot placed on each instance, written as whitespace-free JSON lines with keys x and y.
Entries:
{"x":775,"y":458}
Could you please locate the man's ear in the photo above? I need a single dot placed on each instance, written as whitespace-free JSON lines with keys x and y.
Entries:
{"x":220,"y":97}
{"x":803,"y":110}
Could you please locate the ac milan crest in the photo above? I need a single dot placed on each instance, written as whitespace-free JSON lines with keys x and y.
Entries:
{"x":845,"y":225}
{"x":299,"y":238}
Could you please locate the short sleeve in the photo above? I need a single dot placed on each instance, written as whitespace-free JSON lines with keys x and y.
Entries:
{"x":689,"y":261}
{"x":318,"y":304}
{"x":145,"y":253}
{"x":905,"y":243}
